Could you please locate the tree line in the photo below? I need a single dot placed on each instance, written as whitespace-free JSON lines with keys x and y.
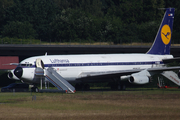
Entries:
{"x":117,"y":21}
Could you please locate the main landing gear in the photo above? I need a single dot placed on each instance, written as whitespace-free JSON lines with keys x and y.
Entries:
{"x":117,"y":86}
{"x":82,"y":86}
{"x":34,"y":89}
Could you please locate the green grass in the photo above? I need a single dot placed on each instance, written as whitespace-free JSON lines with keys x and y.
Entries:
{"x":13,"y":97}
{"x":140,"y":104}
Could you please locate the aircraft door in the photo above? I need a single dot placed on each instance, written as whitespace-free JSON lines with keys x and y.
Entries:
{"x":39,"y":63}
{"x":39,"y":71}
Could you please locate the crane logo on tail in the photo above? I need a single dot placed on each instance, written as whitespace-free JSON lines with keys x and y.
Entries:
{"x":166,"y":34}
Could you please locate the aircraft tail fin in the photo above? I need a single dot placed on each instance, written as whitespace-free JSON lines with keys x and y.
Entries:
{"x":162,"y":42}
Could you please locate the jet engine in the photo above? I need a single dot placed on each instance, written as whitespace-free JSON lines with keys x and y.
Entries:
{"x":137,"y":79}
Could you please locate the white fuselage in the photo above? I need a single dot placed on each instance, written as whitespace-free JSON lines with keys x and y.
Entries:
{"x":70,"y":67}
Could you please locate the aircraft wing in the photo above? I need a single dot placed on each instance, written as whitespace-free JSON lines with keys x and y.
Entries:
{"x":108,"y":73}
{"x":161,"y":69}
{"x":125,"y":72}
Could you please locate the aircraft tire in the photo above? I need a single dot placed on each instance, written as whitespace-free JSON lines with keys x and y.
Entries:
{"x":123,"y":87}
{"x":34,"y":89}
{"x":86,"y":87}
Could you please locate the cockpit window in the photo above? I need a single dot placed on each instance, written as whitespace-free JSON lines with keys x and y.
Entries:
{"x":28,"y":65}
{"x":22,"y":64}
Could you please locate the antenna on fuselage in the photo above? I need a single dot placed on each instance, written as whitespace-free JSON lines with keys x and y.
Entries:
{"x":46,"y":54}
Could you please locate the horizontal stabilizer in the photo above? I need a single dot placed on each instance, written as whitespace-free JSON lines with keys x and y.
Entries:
{"x":12,"y":64}
{"x":58,"y":81}
{"x":171,"y":60}
{"x":172,"y":76}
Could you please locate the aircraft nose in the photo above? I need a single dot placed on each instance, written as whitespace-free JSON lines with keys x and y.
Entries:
{"x":18,"y":72}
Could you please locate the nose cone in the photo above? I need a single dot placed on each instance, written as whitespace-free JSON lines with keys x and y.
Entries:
{"x":18,"y":72}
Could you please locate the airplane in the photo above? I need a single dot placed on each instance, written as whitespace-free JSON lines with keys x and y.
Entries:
{"x":61,"y":70}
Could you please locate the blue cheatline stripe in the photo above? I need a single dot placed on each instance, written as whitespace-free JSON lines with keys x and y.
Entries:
{"x":98,"y":64}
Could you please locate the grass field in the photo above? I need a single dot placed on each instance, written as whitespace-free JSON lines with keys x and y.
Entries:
{"x":141,"y":104}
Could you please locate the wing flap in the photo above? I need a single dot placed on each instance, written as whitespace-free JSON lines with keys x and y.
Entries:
{"x":123,"y":72}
